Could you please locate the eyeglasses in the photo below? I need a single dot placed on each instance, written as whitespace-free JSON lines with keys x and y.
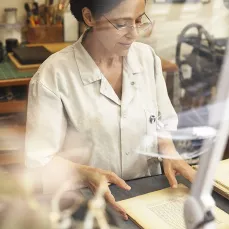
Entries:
{"x":143,"y":25}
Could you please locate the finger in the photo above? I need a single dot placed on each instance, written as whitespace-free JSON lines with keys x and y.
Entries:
{"x":113,"y":178}
{"x":110,"y":198}
{"x":188,"y":172}
{"x":169,"y":173}
{"x":118,"y":209}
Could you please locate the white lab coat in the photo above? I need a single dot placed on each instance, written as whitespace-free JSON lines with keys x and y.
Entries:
{"x":73,"y":110}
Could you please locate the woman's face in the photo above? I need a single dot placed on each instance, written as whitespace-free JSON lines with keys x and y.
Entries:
{"x":115,"y":41}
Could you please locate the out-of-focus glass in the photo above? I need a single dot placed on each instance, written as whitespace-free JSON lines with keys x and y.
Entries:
{"x":187,"y":141}
{"x":195,"y":39}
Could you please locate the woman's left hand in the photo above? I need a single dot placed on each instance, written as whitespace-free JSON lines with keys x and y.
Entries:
{"x":175,"y":167}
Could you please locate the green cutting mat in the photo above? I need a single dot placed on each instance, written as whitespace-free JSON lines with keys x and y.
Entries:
{"x":8,"y":71}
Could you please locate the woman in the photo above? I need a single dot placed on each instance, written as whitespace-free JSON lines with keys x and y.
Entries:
{"x":105,"y":90}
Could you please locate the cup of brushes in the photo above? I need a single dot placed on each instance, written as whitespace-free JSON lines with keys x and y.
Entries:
{"x":44,"y":23}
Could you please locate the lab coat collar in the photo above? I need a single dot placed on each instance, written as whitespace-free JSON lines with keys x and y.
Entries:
{"x":107,"y":90}
{"x":88,"y":69}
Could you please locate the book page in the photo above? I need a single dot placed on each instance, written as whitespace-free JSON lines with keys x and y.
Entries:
{"x":221,"y":190}
{"x":222,"y":174}
{"x":164,"y":209}
{"x":221,"y":184}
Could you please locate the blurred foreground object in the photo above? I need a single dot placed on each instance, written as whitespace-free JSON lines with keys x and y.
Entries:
{"x":18,"y":210}
{"x":198,"y":209}
{"x":97,"y":208}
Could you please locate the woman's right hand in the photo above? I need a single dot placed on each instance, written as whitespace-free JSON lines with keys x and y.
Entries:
{"x":91,"y":178}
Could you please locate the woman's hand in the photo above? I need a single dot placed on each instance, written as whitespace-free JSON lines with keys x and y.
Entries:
{"x":175,"y":167}
{"x":91,"y":178}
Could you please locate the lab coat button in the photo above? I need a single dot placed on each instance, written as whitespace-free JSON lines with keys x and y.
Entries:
{"x":127,"y":153}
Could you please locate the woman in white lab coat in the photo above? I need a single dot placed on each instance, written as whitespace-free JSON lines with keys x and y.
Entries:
{"x":105,"y":91}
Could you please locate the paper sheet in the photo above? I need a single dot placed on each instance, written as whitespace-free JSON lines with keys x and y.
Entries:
{"x":221,"y":178}
{"x":164,"y":209}
{"x":222,"y":174}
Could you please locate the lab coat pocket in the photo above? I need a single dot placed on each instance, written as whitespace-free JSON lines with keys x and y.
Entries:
{"x":149,"y":141}
{"x":149,"y":146}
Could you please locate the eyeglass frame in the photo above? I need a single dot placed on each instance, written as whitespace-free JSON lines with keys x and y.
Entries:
{"x":128,"y":26}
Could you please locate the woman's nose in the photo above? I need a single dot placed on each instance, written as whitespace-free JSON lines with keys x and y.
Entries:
{"x":133,"y":33}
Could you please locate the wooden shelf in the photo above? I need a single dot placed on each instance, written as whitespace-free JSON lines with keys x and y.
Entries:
{"x":14,"y":106}
{"x":168,"y":66}
{"x":15,"y":82}
{"x":11,"y":158}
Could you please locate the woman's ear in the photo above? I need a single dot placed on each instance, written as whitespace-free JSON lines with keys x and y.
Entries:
{"x":88,"y":17}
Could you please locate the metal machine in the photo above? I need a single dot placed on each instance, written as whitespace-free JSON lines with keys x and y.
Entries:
{"x":199,"y":57}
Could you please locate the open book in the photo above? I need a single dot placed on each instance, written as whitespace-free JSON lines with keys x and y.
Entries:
{"x":164,"y":209}
{"x":221,"y":184}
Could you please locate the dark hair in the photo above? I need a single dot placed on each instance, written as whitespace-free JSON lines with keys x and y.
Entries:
{"x":97,"y":7}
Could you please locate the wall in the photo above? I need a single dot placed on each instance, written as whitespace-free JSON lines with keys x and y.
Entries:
{"x":19,"y":4}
